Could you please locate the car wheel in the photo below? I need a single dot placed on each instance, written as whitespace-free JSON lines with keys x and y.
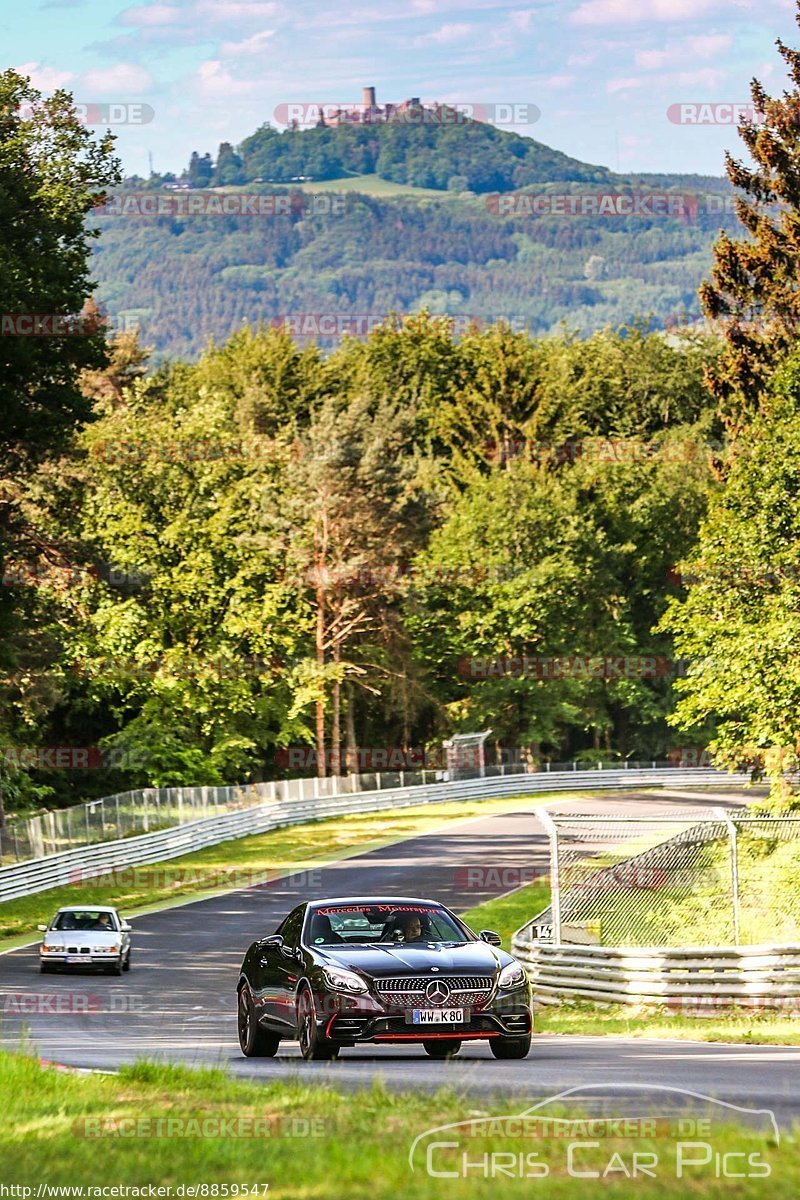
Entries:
{"x":126,"y":966}
{"x":45,"y":968}
{"x":255,"y":1042}
{"x":313,"y":1046}
{"x":116,"y":968}
{"x":510,"y":1047}
{"x":443,"y":1049}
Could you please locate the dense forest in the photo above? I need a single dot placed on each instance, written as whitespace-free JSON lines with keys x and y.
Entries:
{"x":183,"y":280}
{"x":272,"y":530}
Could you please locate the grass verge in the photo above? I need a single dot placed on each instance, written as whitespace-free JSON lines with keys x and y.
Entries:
{"x":170,"y":1126}
{"x":620,"y":1020}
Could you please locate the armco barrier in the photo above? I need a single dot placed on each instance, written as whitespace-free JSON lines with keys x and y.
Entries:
{"x":688,"y":979}
{"x":55,"y":870}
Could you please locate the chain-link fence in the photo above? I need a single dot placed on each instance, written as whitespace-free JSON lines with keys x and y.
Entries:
{"x":146,"y":810}
{"x":712,"y":877}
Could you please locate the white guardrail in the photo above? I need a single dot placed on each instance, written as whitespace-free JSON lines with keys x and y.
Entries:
{"x":689,"y":979}
{"x":70,"y":866}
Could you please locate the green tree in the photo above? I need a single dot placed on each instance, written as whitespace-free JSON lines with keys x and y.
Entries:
{"x":53,"y":172}
{"x":739,"y":621}
{"x":753,"y":287}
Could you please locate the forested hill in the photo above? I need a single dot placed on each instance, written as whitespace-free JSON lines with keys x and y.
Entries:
{"x":466,"y":155}
{"x":397,"y":217}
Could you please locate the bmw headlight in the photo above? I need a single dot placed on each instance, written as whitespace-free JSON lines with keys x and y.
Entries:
{"x":511,"y":976}
{"x":343,"y":981}
{"x":106,"y":950}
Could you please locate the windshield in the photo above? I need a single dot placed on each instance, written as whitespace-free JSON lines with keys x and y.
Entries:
{"x":87,"y":919}
{"x":393,"y":924}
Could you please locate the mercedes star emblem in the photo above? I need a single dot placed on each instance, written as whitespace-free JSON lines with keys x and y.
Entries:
{"x":437,"y":991}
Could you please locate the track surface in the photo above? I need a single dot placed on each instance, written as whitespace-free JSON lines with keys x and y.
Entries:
{"x":178,"y":1001}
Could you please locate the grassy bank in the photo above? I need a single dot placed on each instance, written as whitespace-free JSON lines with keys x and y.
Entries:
{"x":172,"y":1126}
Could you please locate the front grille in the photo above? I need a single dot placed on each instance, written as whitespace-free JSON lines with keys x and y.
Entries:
{"x":408,"y":991}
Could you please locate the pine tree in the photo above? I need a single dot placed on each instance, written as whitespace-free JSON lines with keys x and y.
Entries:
{"x":754,"y":281}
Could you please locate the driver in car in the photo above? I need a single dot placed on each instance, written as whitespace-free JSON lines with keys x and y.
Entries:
{"x":411,"y":927}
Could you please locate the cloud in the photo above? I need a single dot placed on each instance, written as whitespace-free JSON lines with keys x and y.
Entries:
{"x":708,"y":78}
{"x":453,"y":32}
{"x":251,"y":45}
{"x":223,"y":11}
{"x":710,"y":45}
{"x":215,"y":80}
{"x":128,"y":78}
{"x":151,"y":15}
{"x":46,"y":79}
{"x":558,"y":81}
{"x":622,"y":85}
{"x":626,"y":12}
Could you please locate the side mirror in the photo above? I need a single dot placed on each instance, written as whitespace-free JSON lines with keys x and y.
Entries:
{"x":126,"y":927}
{"x":274,"y":941}
{"x":492,"y":939}
{"x":42,"y":928}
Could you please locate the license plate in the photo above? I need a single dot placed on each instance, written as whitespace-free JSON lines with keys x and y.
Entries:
{"x":438,"y":1016}
{"x":73,"y":958}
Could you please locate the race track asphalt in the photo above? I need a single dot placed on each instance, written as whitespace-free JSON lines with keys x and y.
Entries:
{"x":178,"y":1001}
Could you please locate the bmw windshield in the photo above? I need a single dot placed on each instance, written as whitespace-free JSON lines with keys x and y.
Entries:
{"x":368,"y":924}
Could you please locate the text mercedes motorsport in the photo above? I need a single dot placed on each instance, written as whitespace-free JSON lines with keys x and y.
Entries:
{"x":346,"y":972}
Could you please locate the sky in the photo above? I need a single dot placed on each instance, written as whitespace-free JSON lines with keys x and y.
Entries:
{"x":603,"y":74}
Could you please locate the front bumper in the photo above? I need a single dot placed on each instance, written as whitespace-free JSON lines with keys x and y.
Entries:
{"x":78,"y":961}
{"x":351,"y":1021}
{"x":350,"y":1030}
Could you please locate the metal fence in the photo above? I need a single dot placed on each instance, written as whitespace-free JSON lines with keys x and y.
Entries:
{"x":147,"y":810}
{"x":265,"y":813}
{"x":708,"y":878}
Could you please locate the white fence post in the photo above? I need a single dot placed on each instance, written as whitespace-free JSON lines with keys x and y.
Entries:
{"x":734,"y":841}
{"x":551,"y":830}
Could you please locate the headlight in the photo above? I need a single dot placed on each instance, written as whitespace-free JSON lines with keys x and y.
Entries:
{"x":511,"y":976}
{"x":343,"y":981}
{"x":50,"y":949}
{"x":106,"y":950}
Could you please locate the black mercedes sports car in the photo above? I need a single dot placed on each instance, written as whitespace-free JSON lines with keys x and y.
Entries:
{"x":345,"y":972}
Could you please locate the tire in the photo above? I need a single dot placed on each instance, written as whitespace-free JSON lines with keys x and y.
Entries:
{"x":254,"y":1041}
{"x":126,"y":966}
{"x":45,"y":969}
{"x":443,"y":1049}
{"x":313,"y":1046}
{"x":116,"y":969}
{"x":510,"y":1047}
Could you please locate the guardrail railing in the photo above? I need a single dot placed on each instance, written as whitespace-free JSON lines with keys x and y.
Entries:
{"x":692,"y":979}
{"x":272,"y":810}
{"x":145,"y":810}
